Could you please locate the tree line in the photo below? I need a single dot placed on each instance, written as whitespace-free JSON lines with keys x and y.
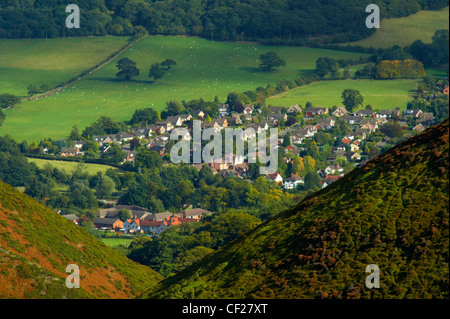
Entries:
{"x":290,"y":21}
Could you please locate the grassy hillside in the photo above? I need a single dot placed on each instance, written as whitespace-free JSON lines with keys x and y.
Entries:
{"x":36,"y":245}
{"x":204,"y":69}
{"x":404,"y":31}
{"x":393,"y":212}
{"x":381,"y":94}
{"x":51,"y":61}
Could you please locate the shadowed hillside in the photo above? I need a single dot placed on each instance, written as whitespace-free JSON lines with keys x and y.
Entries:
{"x":393,"y":212}
{"x":36,"y":245}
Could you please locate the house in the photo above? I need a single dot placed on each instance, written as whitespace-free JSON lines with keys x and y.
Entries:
{"x":144,"y":226}
{"x":113,"y":212}
{"x":161,"y":149}
{"x":347,"y":140}
{"x":425,"y":119}
{"x":316,"y":111}
{"x":121,"y":136}
{"x":222,"y":122}
{"x":195,"y":213}
{"x":326,"y":123}
{"x":445,"y":90}
{"x":198,"y":114}
{"x":386,"y":113}
{"x":293,"y":181}
{"x":100,"y":139}
{"x":161,"y":216}
{"x":354,"y":147}
{"x":354,"y":156}
{"x":329,"y":179}
{"x":293,"y":149}
{"x":175,"y":120}
{"x":294,"y":109}
{"x":276,"y":177}
{"x":419,"y":128}
{"x":72,"y":217}
{"x":364,"y":112}
{"x":413,"y":113}
{"x":333,"y":169}
{"x":224,"y":109}
{"x":275,"y":109}
{"x":361,"y":132}
{"x":353,"y":119}
{"x":141,"y":132}
{"x":109,"y":223}
{"x":248,"y":109}
{"x":276,"y":118}
{"x":69,"y":151}
{"x":371,"y":124}
{"x":233,"y":120}
{"x":167,"y":125}
{"x":340,"y":111}
{"x":241,"y":169}
{"x":158,"y":129}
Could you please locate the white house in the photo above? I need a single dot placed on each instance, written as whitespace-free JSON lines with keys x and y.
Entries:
{"x":292,"y":182}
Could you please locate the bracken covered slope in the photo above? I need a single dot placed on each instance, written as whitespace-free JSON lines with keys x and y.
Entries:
{"x":393,"y":212}
{"x":36,"y":245}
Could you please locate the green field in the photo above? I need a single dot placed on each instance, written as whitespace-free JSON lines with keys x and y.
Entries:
{"x":379,"y":93}
{"x":404,"y":31}
{"x":69,"y":167}
{"x":50,"y":61}
{"x":114,"y":242}
{"x":204,"y":69}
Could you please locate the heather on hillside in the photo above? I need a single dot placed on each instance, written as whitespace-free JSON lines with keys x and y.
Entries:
{"x":393,"y":212}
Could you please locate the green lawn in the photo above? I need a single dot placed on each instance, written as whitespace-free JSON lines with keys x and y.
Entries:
{"x":69,"y":167}
{"x":112,"y":242}
{"x":204,"y":69}
{"x":379,"y":93}
{"x":404,"y":31}
{"x":50,"y":61}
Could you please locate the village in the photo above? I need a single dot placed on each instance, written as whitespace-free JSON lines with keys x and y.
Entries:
{"x":296,"y":126}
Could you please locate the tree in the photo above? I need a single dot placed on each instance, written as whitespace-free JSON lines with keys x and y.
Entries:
{"x":127,"y":69}
{"x":8,"y":100}
{"x":105,"y":186}
{"x":175,"y":107}
{"x":32,"y":89}
{"x":325,"y":65}
{"x":286,"y":140}
{"x":167,"y":64}
{"x":148,"y":159}
{"x":115,"y":154}
{"x":312,"y":181}
{"x":2,"y":116}
{"x":75,"y":134}
{"x":270,"y":60}
{"x":156,"y":72}
{"x":351,"y":99}
{"x":124,"y":214}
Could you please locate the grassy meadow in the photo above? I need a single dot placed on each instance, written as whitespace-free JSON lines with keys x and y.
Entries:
{"x":381,"y":94}
{"x":204,"y":69}
{"x":50,"y":61}
{"x":69,"y":167}
{"x":404,"y":31}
